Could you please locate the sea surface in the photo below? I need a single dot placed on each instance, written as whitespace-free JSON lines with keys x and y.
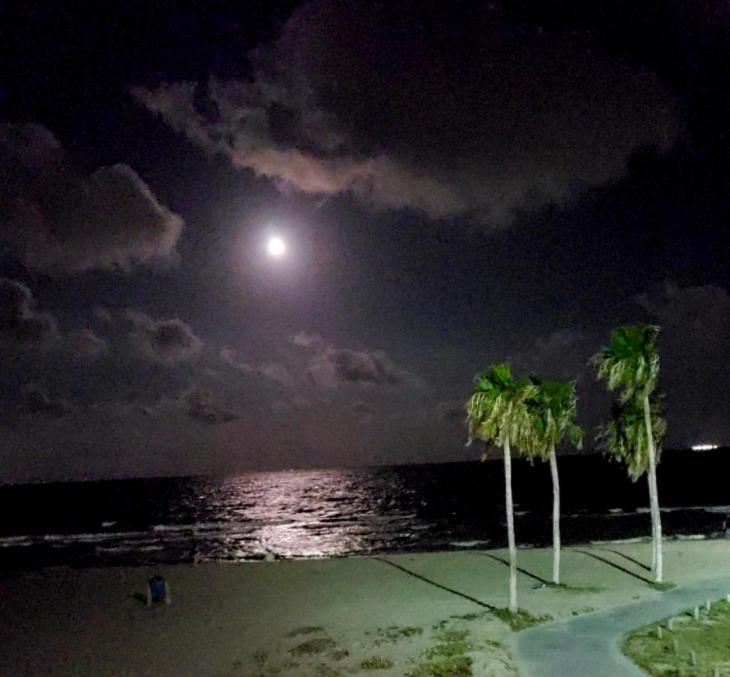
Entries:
{"x":334,"y":513}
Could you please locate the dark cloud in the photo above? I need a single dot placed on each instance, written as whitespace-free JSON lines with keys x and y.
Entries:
{"x":60,"y":220}
{"x":20,"y":322}
{"x":102,"y":315}
{"x":695,"y":317}
{"x":164,"y":341}
{"x":482,"y":120}
{"x":304,"y":340}
{"x":86,"y":343}
{"x":271,"y":370}
{"x":232,"y":359}
{"x":563,"y":353}
{"x":694,"y":347}
{"x":365,"y":411}
{"x":201,"y":406}
{"x":451,"y":411}
{"x":333,"y":367}
{"x":35,"y":400}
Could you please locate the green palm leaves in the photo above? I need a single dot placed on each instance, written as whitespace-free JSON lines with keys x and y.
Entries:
{"x":534,"y":416}
{"x":551,"y":406}
{"x":497,"y":412}
{"x":624,"y":437}
{"x":630,"y":364}
{"x":531,"y":416}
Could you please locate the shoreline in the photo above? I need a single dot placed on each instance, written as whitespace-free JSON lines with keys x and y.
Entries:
{"x":255,"y":617}
{"x":455,"y":547}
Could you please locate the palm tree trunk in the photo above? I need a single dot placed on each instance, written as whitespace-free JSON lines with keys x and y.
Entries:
{"x":556,"y":517}
{"x":653,"y":494}
{"x":510,"y":529}
{"x":653,"y":525}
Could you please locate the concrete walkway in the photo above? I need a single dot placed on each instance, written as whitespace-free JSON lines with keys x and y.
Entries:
{"x":588,"y":645}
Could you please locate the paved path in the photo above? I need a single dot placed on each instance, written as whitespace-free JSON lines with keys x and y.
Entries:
{"x":588,"y":645}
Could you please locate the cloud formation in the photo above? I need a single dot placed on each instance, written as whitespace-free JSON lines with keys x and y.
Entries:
{"x":201,"y":406}
{"x":35,"y":400}
{"x":332,"y":367}
{"x":61,"y":220}
{"x":697,"y":317}
{"x":482,"y":120}
{"x":166,"y":342}
{"x":271,"y":370}
{"x":20,"y":322}
{"x":86,"y":343}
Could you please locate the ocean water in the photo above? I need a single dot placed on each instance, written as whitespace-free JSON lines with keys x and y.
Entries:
{"x":333,"y":513}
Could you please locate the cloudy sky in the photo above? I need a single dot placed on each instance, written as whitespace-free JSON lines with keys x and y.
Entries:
{"x":456,"y":184}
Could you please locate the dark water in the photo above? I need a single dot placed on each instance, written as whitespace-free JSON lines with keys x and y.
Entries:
{"x":355,"y":511}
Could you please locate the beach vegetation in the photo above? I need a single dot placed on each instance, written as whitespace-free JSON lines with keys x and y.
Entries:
{"x":472,"y":616}
{"x":452,"y":666}
{"x":305,"y":630}
{"x":259,"y":657}
{"x":630,"y":367}
{"x":702,"y":641}
{"x":451,"y":635}
{"x":394,"y":632}
{"x":497,"y":415}
{"x":520,"y":619}
{"x":552,"y":408}
{"x":313,"y":646}
{"x":449,"y":649}
{"x":376,"y":663}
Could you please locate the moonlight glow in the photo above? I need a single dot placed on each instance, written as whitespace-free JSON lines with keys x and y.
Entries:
{"x":276,"y":247}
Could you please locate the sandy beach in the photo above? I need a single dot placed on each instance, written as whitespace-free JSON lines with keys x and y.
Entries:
{"x":314,"y":617}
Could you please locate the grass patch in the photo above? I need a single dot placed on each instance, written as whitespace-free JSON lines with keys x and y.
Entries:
{"x":474,"y":616}
{"x":454,"y":666}
{"x":259,"y":657}
{"x":448,"y":649}
{"x":521,"y":619}
{"x":451,"y":636}
{"x":393,"y":633}
{"x":447,"y":658}
{"x":575,"y":588}
{"x":305,"y":630}
{"x":376,"y":663}
{"x":313,"y":646}
{"x":706,"y":639}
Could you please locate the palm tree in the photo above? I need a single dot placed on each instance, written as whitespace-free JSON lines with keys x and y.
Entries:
{"x":497,"y":414}
{"x":552,"y":409}
{"x":630,"y":364}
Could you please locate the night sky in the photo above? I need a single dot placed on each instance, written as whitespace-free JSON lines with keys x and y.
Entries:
{"x":456,"y":183}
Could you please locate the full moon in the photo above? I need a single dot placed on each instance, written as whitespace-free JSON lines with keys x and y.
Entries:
{"x":276,"y":247}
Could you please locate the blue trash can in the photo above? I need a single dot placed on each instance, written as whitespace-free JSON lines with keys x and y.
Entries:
{"x":158,"y":589}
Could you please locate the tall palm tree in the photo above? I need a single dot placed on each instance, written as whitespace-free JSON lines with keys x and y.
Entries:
{"x":497,"y":414}
{"x":630,"y":364}
{"x":552,"y":407}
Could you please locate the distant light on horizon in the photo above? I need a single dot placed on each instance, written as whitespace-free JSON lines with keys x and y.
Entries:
{"x":704,"y":447}
{"x":276,"y":247}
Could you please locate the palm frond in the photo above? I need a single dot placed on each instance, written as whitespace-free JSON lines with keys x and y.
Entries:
{"x":624,"y":438}
{"x":630,"y":362}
